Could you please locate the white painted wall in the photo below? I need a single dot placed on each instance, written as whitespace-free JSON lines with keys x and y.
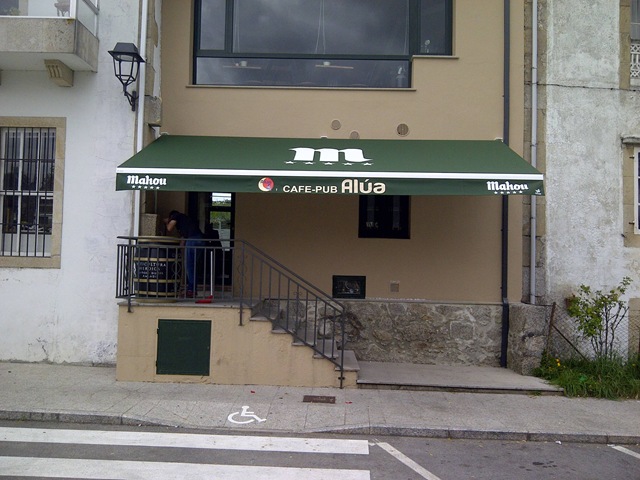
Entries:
{"x":70,"y":314}
{"x":586,"y":115}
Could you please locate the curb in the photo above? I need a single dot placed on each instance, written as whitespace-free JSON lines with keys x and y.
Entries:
{"x":471,"y":434}
{"x":381,"y":430}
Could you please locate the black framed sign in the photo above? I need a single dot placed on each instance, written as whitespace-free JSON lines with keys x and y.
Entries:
{"x":349,"y":286}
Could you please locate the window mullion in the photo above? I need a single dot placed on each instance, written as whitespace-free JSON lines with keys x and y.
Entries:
{"x":414,"y":27}
{"x":230,"y":26}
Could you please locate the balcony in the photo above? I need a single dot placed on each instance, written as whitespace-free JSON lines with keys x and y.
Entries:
{"x":35,"y":31}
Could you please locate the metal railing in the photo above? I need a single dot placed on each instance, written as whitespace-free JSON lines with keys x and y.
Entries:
{"x":85,"y":11}
{"x":156,"y":269}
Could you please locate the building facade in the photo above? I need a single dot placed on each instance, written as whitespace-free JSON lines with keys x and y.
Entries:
{"x":588,"y":125}
{"x":443,"y":268}
{"x":65,"y":126}
{"x":439,"y":291}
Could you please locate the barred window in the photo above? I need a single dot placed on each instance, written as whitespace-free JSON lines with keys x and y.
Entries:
{"x":27,"y":161}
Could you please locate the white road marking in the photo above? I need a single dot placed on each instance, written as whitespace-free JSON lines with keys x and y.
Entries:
{"x":247,"y":414}
{"x":100,"y":469}
{"x":423,"y":472}
{"x":625,"y":450}
{"x":185,"y":440}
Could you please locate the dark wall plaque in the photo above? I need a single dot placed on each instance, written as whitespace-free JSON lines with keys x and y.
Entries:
{"x":349,"y":286}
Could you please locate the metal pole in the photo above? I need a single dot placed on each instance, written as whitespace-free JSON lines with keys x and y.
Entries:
{"x":505,"y":199}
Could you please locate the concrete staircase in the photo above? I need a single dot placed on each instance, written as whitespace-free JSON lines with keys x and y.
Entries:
{"x":304,"y":335}
{"x":388,"y":375}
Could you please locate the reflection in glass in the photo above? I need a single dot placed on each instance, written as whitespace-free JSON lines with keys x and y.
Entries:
{"x":212,"y":24}
{"x":356,"y":27}
{"x":303,"y":72}
{"x":435,"y":27}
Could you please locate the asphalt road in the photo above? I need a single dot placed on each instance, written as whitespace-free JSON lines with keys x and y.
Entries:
{"x":40,"y":450}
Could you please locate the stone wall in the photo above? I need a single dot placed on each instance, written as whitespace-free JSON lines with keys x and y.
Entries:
{"x":528,"y":330}
{"x":451,"y":334}
{"x":428,"y":333}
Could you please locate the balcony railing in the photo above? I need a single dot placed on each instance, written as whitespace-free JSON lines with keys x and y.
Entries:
{"x":154,"y":269}
{"x":85,"y":11}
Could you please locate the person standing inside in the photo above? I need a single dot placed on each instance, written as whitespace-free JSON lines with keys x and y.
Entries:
{"x":192,"y":237}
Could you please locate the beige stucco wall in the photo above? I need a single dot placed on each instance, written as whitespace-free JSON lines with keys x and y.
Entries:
{"x":454,"y":251}
{"x":240,"y":355}
{"x":447,"y":257}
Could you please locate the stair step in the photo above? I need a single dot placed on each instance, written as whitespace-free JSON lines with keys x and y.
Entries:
{"x":324,"y":344}
{"x":350,"y":362}
{"x":306,"y":334}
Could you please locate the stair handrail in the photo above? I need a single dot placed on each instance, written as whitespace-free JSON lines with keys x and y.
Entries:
{"x":337,"y":307}
{"x":319,"y":306}
{"x":291,"y":273}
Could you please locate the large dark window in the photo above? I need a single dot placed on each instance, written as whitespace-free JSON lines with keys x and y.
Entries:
{"x":341,"y":43}
{"x":384,"y":216}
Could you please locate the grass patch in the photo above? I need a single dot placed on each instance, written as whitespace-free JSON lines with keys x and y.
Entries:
{"x":602,"y":378}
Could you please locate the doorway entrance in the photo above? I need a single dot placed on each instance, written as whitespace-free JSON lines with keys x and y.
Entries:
{"x":216,"y":216}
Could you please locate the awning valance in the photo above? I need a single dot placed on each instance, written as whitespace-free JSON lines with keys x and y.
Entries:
{"x":329,"y":166}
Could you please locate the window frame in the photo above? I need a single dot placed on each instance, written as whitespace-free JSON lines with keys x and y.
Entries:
{"x":635,"y":15}
{"x":414,"y":39}
{"x":53,"y":259}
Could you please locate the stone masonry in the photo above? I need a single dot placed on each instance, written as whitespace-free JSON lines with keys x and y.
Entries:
{"x":411,"y":332}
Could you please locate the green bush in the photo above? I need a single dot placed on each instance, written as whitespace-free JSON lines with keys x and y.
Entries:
{"x":602,"y":377}
{"x":598,"y":315}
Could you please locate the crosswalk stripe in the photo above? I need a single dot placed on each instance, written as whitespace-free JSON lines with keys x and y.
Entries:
{"x":186,"y":440}
{"x":625,"y":450}
{"x":101,"y":469}
{"x":423,"y":472}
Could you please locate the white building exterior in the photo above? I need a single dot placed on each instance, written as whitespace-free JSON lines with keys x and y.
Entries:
{"x":588,"y":138}
{"x":68,"y":313}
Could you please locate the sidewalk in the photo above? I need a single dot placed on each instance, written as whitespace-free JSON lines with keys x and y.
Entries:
{"x":79,"y":394}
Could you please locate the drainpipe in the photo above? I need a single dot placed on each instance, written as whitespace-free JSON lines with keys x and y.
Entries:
{"x":533,"y":224}
{"x":505,"y":199}
{"x":144,"y":12}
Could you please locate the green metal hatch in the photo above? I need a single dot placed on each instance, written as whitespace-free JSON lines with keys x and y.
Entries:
{"x":184,"y":347}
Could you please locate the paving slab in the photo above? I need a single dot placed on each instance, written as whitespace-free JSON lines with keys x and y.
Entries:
{"x":450,"y":377}
{"x":86,"y":394}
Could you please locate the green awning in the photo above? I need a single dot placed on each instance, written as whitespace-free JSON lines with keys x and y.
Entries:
{"x":329,"y":166}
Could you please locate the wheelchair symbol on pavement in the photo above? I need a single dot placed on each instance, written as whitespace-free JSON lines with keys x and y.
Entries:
{"x":247,"y":414}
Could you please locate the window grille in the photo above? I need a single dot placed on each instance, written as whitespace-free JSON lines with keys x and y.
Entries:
{"x":27,"y":162}
{"x":635,"y":59}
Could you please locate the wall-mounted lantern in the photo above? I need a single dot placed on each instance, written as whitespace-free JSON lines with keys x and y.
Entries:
{"x":126,"y":66}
